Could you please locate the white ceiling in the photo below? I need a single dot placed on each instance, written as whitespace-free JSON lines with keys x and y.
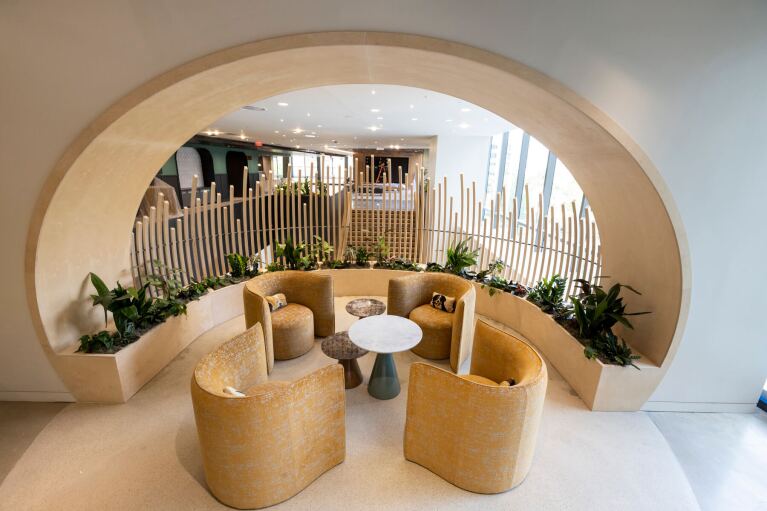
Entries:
{"x":340,"y":116}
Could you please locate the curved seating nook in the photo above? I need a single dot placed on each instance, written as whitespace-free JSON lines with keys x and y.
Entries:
{"x":116,"y":377}
{"x":495,"y":438}
{"x":270,"y":442}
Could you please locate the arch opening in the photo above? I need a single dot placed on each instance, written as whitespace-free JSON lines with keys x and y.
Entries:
{"x":109,"y":166}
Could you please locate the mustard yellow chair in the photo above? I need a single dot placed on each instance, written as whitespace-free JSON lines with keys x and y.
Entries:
{"x":468,"y":429}
{"x":445,"y":334}
{"x":289,"y":332}
{"x":267,"y":442}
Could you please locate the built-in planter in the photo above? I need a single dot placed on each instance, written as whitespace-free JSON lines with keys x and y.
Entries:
{"x":114,"y":378}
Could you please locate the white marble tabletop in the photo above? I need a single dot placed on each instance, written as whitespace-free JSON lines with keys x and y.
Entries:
{"x":385,"y":333}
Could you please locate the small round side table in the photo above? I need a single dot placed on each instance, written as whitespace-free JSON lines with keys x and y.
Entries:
{"x":365,"y":307}
{"x":385,"y":335}
{"x":341,"y":348}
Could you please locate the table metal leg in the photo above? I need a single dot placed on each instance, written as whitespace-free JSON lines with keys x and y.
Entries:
{"x":384,"y":382}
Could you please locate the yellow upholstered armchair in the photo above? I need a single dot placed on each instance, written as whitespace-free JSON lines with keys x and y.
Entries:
{"x":445,"y":334}
{"x":263,"y":442}
{"x":289,"y":331}
{"x":471,"y":430}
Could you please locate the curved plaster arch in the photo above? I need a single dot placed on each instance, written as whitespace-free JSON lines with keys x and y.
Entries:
{"x":87,"y":205}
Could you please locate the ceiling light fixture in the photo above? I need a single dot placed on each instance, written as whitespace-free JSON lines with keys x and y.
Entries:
{"x":448,"y":120}
{"x":373,"y":128}
{"x":298,"y":131}
{"x":464,"y":109}
{"x":379,"y":118}
{"x":463,"y":125}
{"x":308,"y":114}
{"x":414,"y":118}
{"x":375,"y":110}
{"x":412,"y":106}
{"x":282,"y":103}
{"x":373,"y":92}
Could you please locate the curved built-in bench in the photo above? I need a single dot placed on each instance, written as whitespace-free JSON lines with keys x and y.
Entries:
{"x":114,"y":378}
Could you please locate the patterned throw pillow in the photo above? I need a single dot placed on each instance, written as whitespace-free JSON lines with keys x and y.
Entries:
{"x":442,"y":302}
{"x":276,"y":302}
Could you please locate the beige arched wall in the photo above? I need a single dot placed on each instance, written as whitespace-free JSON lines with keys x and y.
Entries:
{"x":87,"y":206}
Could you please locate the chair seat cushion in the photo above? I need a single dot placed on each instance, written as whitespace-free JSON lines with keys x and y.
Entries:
{"x":437,"y":327}
{"x":292,"y":331}
{"x":479,"y":379}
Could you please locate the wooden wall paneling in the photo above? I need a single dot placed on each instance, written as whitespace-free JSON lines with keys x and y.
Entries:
{"x":138,"y":234}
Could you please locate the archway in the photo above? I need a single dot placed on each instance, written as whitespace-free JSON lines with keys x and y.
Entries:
{"x":89,"y":201}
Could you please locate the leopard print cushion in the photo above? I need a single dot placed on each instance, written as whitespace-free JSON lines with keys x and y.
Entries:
{"x":442,"y":302}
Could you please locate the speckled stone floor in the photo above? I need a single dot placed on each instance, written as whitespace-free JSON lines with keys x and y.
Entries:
{"x":144,"y":454}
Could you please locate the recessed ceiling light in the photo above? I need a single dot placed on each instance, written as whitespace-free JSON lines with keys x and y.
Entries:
{"x":282,"y":103}
{"x":414,"y":118}
{"x":298,"y":130}
{"x":373,"y":128}
{"x":375,"y":110}
{"x":448,"y":120}
{"x":282,"y":120}
{"x":319,"y":125}
{"x":396,"y":147}
{"x":308,"y":114}
{"x":379,"y":118}
{"x":373,"y":92}
{"x":298,"y":147}
{"x":463,"y":125}
{"x":276,"y":131}
{"x":310,"y":136}
{"x":412,"y":106}
{"x":464,"y":109}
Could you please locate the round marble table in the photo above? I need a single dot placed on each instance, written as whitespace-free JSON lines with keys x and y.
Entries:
{"x":341,"y":348}
{"x":385,"y":335}
{"x":365,"y":307}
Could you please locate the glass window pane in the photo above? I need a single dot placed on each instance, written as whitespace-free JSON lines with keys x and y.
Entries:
{"x":512,"y":164}
{"x":535,"y":173}
{"x":565,"y":188}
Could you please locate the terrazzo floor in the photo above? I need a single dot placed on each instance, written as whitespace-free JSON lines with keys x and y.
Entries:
{"x":144,"y":454}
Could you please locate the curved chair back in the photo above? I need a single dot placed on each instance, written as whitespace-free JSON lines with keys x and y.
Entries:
{"x":311,"y":290}
{"x":263,"y":448}
{"x":479,"y":437}
{"x":410,"y":291}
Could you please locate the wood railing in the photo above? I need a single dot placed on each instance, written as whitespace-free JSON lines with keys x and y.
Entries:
{"x":350,"y":208}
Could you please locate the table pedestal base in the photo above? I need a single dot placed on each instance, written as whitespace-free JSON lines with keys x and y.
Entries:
{"x":384,"y":382}
{"x":352,"y":373}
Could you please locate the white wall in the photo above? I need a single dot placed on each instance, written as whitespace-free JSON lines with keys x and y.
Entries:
{"x":467,"y":155}
{"x":685,"y":79}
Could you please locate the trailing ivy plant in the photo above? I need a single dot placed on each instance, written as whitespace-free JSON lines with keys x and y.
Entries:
{"x":459,"y":257}
{"x":549,"y":294}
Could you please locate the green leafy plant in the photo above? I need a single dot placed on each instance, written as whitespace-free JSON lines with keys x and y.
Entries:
{"x":435,"y":268}
{"x":361,"y":256}
{"x":272,"y":267}
{"x":491,"y":277}
{"x":242,"y":267}
{"x":322,"y":250}
{"x":349,"y":255}
{"x":459,"y":257}
{"x":337,"y":264}
{"x":381,"y":250}
{"x":101,"y":342}
{"x":596,"y":311}
{"x":167,"y":280}
{"x":293,"y":254}
{"x":611,"y":350}
{"x":549,"y":294}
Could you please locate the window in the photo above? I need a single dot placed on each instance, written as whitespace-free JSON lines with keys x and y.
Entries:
{"x":565,"y":189}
